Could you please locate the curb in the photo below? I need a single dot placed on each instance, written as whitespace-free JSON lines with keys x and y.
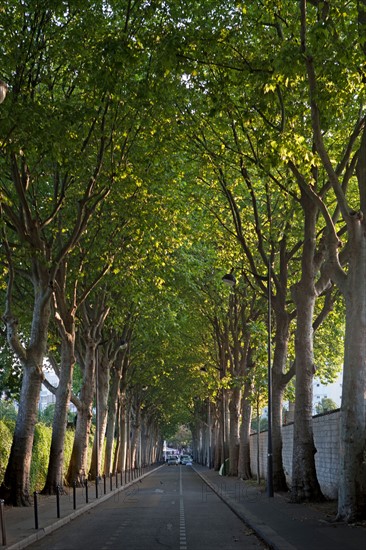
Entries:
{"x":264,"y":532}
{"x":43,"y":531}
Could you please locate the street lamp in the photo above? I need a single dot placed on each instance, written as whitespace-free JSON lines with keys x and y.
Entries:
{"x":269,"y":375}
{"x":229,"y":278}
{"x":97,"y":418}
{"x":3,"y":90}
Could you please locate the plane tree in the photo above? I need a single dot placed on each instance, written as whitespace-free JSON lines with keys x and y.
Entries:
{"x":74,"y":75}
{"x":335,"y":109}
{"x":250,"y":109}
{"x":46,"y":115}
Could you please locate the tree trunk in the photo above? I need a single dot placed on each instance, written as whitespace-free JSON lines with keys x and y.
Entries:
{"x":112,"y":421}
{"x":120,"y":457}
{"x":78,"y":466}
{"x":352,"y":466}
{"x":102,"y":387}
{"x":234,"y":407}
{"x":279,"y":382}
{"x":55,"y":472}
{"x":244,"y":470}
{"x":136,"y":435}
{"x":209,"y":435}
{"x":305,"y":486}
{"x":217,"y":444}
{"x":15,"y":488}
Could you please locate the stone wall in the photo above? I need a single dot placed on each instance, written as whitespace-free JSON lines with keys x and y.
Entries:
{"x":326,"y":439}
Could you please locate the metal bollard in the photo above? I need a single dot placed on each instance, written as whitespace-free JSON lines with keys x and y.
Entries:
{"x":104,"y":483}
{"x":86,"y":491}
{"x":3,"y":531}
{"x":121,"y":477}
{"x":111,"y":481}
{"x":35,"y":495}
{"x":96,"y":486}
{"x":58,"y":500}
{"x":74,"y":494}
{"x":116,"y":479}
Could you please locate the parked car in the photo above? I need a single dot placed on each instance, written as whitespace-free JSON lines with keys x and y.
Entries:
{"x":172,"y":461}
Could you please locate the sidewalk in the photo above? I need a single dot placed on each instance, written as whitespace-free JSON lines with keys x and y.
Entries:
{"x":279,"y":523}
{"x":20,"y":523}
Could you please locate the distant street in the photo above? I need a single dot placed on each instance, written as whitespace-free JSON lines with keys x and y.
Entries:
{"x":169,"y":509}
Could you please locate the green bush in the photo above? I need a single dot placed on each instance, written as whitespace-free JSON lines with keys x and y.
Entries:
{"x":8,"y":411}
{"x":40,"y":456}
{"x":6,"y":438}
{"x":46,"y":415}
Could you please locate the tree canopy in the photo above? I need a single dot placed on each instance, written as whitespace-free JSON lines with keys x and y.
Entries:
{"x":148,"y":148}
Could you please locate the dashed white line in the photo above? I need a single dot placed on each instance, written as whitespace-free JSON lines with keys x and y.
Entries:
{"x":182,"y":521}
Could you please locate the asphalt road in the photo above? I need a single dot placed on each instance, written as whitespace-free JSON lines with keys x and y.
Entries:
{"x":169,"y":509}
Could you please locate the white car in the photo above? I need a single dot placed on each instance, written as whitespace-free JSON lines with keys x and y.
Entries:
{"x":186,"y":460}
{"x":172,"y":461}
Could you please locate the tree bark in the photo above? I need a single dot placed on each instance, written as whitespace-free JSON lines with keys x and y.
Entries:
{"x":352,"y":466}
{"x":244,"y":470}
{"x":102,"y":376}
{"x":234,"y":415}
{"x":112,"y":420}
{"x":305,"y":486}
{"x":78,"y":467}
{"x":280,"y":379}
{"x":15,"y":488}
{"x":55,"y":472}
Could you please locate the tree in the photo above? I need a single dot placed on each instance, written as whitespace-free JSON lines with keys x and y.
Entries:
{"x":325,"y":405}
{"x":351,"y":502}
{"x":37,"y":180}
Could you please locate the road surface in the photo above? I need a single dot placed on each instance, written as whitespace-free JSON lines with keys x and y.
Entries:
{"x":170,"y":509}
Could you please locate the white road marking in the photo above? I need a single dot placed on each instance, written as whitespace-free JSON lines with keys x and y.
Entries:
{"x":182,"y":536}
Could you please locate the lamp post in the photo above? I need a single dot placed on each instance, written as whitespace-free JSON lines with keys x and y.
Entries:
{"x":269,"y":381}
{"x":229,"y":280}
{"x":97,"y":416}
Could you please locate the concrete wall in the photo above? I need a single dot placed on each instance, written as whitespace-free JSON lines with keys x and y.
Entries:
{"x":326,"y":439}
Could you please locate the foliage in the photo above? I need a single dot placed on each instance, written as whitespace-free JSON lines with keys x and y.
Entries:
{"x":8,"y":411}
{"x":46,"y":415}
{"x":41,"y":448}
{"x":10,"y":374}
{"x":40,"y":454}
{"x":200,"y":108}
{"x":325,"y":405}
{"x":6,"y":436}
{"x":182,"y":439}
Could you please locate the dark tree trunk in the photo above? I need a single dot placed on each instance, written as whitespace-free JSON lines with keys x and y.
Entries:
{"x":55,"y":472}
{"x":305,"y":485}
{"x":112,"y":421}
{"x":244,"y":470}
{"x":352,"y":493}
{"x":234,"y":412}
{"x":15,"y":488}
{"x":103,"y":373}
{"x":79,"y":457}
{"x":279,"y":381}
